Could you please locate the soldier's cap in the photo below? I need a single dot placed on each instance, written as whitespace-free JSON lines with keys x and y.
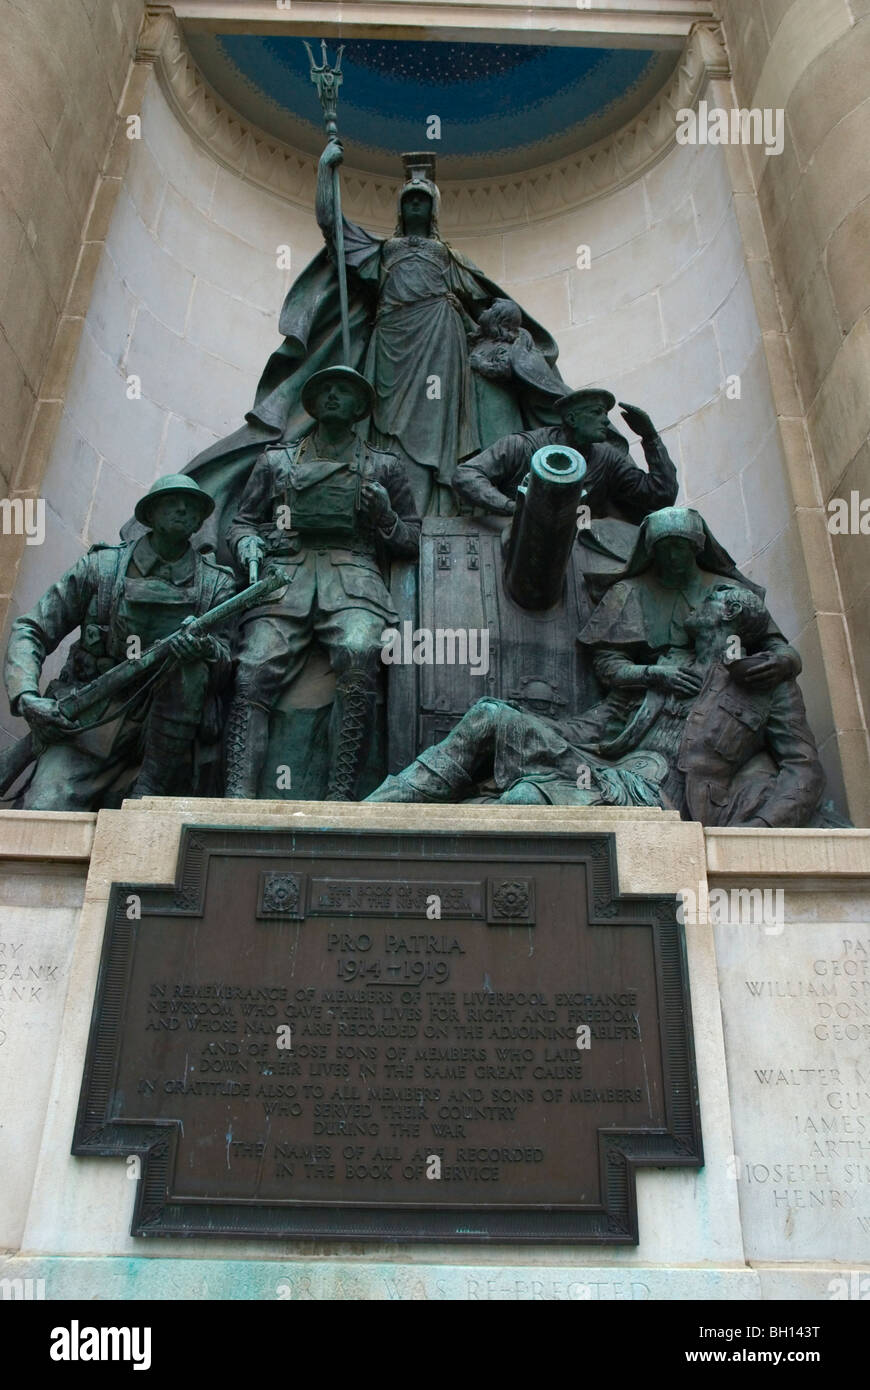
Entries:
{"x":364,"y":389}
{"x":586,"y":397}
{"x":165,"y":487}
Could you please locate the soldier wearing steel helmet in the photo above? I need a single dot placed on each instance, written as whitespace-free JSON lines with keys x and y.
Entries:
{"x":330,"y":511}
{"x":143,"y":590}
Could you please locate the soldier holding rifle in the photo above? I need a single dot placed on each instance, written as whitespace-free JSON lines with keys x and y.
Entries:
{"x":125,"y":598}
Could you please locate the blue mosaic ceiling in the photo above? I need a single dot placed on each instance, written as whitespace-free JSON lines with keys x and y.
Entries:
{"x":503,"y":107}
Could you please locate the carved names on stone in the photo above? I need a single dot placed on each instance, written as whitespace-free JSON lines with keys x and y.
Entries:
{"x":797,"y":1023}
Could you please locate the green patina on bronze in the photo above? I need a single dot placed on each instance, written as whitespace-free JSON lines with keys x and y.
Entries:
{"x":699,"y":684}
{"x":330,"y":510}
{"x":162,"y":739}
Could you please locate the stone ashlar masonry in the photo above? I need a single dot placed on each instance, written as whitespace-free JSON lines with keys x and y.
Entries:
{"x":810,"y":59}
{"x":65,"y":67}
{"x":781,"y":1208}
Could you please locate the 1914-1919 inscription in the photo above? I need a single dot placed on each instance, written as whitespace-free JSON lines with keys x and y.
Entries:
{"x":395,"y":1036}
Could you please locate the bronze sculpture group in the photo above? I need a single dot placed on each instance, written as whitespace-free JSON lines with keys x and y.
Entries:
{"x":448,"y":394}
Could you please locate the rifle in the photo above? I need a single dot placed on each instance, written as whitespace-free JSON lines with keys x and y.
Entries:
{"x":114,"y":682}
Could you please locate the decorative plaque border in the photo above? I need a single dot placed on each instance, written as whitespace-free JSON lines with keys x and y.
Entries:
{"x":99,"y":1132}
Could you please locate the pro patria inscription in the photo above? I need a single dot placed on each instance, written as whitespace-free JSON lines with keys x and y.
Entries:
{"x":391,"y":1036}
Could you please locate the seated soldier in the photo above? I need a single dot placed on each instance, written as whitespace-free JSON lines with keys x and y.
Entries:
{"x":721,"y":706}
{"x":143,"y":590}
{"x":674,"y":563}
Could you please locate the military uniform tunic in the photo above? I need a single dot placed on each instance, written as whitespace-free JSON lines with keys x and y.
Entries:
{"x":113,"y":593}
{"x":307,"y":511}
{"x":613,"y":483}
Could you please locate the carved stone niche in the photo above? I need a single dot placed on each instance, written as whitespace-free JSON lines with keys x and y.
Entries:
{"x":484,"y":205}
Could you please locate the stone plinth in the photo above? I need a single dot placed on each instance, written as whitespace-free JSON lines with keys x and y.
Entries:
{"x":746,"y":1226}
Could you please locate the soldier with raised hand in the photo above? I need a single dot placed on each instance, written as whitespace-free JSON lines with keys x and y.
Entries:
{"x":330,"y":511}
{"x":124,"y":598}
{"x":615,"y":486}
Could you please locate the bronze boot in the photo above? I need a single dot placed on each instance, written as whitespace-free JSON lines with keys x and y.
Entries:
{"x":351,"y":728}
{"x":167,"y":764}
{"x":246,"y":739}
{"x":434,"y":776}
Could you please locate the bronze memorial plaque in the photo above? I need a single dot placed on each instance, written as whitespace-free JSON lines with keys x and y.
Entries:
{"x":391,"y":1036}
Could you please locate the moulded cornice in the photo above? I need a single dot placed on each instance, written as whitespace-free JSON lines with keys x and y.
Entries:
{"x":467,"y":207}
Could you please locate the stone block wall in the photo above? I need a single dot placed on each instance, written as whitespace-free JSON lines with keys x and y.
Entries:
{"x":64,"y":64}
{"x":794,"y":981}
{"x":41,"y":895}
{"x":809,"y":59}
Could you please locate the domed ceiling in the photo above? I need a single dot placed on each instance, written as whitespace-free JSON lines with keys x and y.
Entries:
{"x":503,"y":108}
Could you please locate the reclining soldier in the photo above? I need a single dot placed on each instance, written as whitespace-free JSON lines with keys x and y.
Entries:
{"x":142,"y":589}
{"x":720,"y":751}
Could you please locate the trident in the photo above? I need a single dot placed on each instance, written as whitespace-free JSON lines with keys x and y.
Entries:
{"x":327,"y":80}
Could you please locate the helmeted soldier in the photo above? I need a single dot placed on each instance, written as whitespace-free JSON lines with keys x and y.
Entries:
{"x":330,"y":510}
{"x":142,"y":590}
{"x":422,"y":299}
